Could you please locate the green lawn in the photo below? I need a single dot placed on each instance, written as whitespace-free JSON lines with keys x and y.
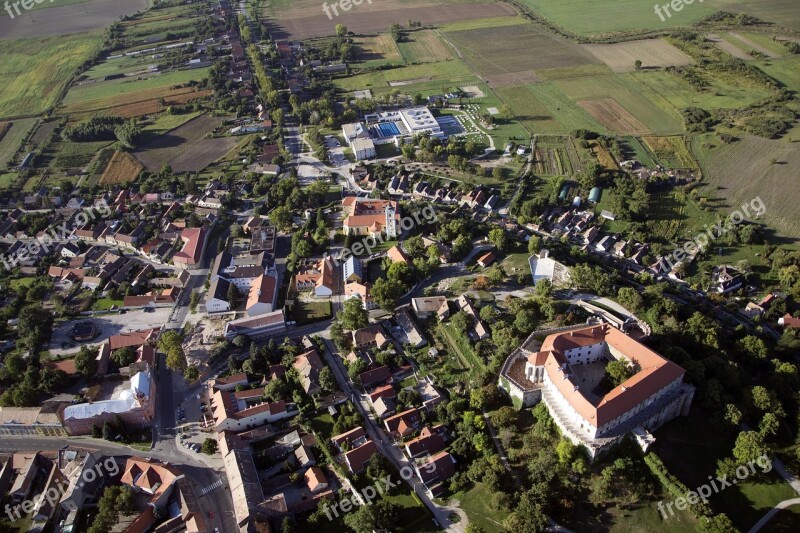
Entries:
{"x":543,"y":108}
{"x":34,"y":71}
{"x":308,"y":312}
{"x":475,"y":502}
{"x":8,"y":179}
{"x":323,"y":425}
{"x":104,"y":304}
{"x":16,"y":284}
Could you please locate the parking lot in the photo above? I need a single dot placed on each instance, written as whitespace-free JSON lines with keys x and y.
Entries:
{"x":107,"y":325}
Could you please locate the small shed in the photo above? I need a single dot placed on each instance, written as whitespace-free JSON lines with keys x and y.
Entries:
{"x":594,"y":194}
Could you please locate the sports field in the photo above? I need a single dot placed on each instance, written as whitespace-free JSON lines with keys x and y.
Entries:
{"x":33,"y":72}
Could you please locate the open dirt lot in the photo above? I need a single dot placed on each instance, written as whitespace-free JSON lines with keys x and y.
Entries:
{"x":108,"y":325}
{"x":512,"y":54}
{"x":613,"y":116}
{"x":121,"y":169}
{"x":373,"y":18}
{"x":621,"y":57}
{"x":186,"y":148}
{"x":70,"y":18}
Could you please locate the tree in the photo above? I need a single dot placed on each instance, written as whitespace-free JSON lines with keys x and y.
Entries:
{"x":387,"y":292}
{"x":35,"y":326}
{"x":719,"y":523}
{"x":630,"y":298}
{"x":353,"y":316}
{"x":362,"y":520}
{"x":749,"y":447}
{"x":414,"y":246}
{"x":341,"y":30}
{"x":534,"y":243}
{"x":276,"y":389}
{"x":497,"y":237}
{"x":505,"y":417}
{"x":85,"y":362}
{"x":209,"y":447}
{"x":124,"y":356}
{"x":281,"y":218}
{"x":461,"y":322}
{"x":171,"y":343}
{"x":618,"y":371}
{"x":396,"y":33}
{"x":191,"y":373}
{"x":753,"y":347}
{"x":108,"y":431}
{"x":326,"y":380}
{"x":637,"y":64}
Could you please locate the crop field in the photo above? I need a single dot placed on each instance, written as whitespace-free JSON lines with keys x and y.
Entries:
{"x":591,"y":17}
{"x":4,"y":127}
{"x":613,"y":116}
{"x":544,"y":108}
{"x":75,"y":154}
{"x":671,"y":152}
{"x":33,"y":72}
{"x":378,"y":50}
{"x":124,"y":86}
{"x":67,"y":17}
{"x":552,"y":157}
{"x":122,"y":168}
{"x":186,"y":148}
{"x":621,"y":57}
{"x":749,"y":44}
{"x":504,"y":56}
{"x":427,"y":77}
{"x":307,"y":22}
{"x":630,"y":101}
{"x":603,"y":156}
{"x":424,"y":46}
{"x":14,"y":135}
{"x":754,"y":167}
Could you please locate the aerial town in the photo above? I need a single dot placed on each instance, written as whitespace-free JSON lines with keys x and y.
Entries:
{"x":463,"y":265}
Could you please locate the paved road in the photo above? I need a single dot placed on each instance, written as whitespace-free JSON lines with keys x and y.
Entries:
{"x":385,"y":444}
{"x":772,"y":512}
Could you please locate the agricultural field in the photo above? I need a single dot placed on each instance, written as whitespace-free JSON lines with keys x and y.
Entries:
{"x":613,"y":116}
{"x":591,"y":17}
{"x":424,"y":46}
{"x":430,"y":78}
{"x":653,"y":53}
{"x":544,"y":108}
{"x":304,"y":20}
{"x":186,"y":148}
{"x":34,"y":72}
{"x":122,"y":168}
{"x":753,"y":167}
{"x":671,"y":152}
{"x":503,"y":55}
{"x":67,"y":17}
{"x":603,"y":156}
{"x":552,"y":157}
{"x":75,"y":154}
{"x":619,"y":104}
{"x":377,"y":50}
{"x":11,"y":141}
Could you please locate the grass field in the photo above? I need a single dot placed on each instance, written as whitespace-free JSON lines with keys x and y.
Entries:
{"x":124,"y":86}
{"x":308,"y":312}
{"x":75,"y":155}
{"x":503,"y":54}
{"x":754,"y":167}
{"x":13,"y":138}
{"x":33,"y":72}
{"x":544,"y":108}
{"x":428,"y":77}
{"x":621,"y":57}
{"x":8,"y":179}
{"x":424,"y":47}
{"x":377,"y":50}
{"x":592,"y":17}
{"x":627,"y":95}
{"x":671,"y":152}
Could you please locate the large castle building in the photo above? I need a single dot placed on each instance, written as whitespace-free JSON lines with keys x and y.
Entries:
{"x":567,"y":373}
